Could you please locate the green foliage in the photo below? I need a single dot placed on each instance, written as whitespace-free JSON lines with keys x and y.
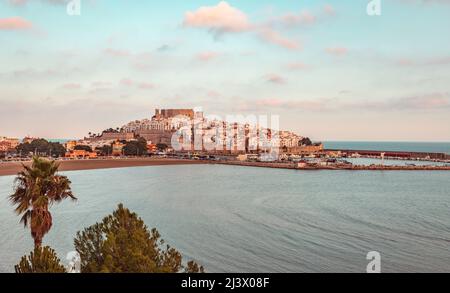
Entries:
{"x":122,"y":243}
{"x":36,"y":188}
{"x":56,"y":150}
{"x":41,"y":260}
{"x":41,"y":147}
{"x":162,"y":146}
{"x":193,"y":268}
{"x":105,"y":150}
{"x":111,"y":130}
{"x":305,"y":142}
{"x":135,"y":147}
{"x":83,"y":148}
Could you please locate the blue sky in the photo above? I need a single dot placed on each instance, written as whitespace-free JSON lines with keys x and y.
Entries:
{"x":327,"y":68}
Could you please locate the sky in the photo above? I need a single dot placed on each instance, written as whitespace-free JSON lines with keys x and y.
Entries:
{"x":327,"y":68}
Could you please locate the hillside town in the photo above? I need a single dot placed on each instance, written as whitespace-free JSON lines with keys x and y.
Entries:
{"x":189,"y":134}
{"x":168,"y":131}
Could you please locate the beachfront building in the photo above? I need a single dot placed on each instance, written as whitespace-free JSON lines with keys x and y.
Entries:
{"x":289,"y":139}
{"x":117,"y":148}
{"x":8,"y":144}
{"x":80,"y":154}
{"x":70,"y":145}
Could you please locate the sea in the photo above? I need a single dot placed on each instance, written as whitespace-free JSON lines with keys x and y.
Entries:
{"x":426,"y":147}
{"x":244,"y":219}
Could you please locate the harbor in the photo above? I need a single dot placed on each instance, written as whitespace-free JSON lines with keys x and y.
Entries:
{"x":336,"y":166}
{"x":326,"y":160}
{"x":355,"y":160}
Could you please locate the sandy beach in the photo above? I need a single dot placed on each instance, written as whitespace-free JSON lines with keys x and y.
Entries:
{"x":12,"y":168}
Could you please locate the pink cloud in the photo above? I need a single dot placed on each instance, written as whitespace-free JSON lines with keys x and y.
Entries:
{"x":329,"y":10}
{"x":301,"y":18}
{"x":18,"y":2}
{"x":207,"y":56}
{"x":25,"y":2}
{"x":275,"y":78}
{"x":430,"y":101}
{"x":274,"y":37}
{"x":223,"y":18}
{"x":220,"y":18}
{"x":297,"y":66}
{"x":337,"y":51}
{"x":270,"y":102}
{"x":405,"y":62}
{"x":15,"y":23}
{"x":304,"y":17}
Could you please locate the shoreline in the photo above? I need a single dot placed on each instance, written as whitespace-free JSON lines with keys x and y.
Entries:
{"x":12,"y":168}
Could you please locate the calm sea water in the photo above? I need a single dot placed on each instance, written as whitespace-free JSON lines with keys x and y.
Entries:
{"x":432,"y":147}
{"x":238,"y":219}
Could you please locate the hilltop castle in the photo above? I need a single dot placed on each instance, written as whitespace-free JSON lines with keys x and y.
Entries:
{"x":200,"y":132}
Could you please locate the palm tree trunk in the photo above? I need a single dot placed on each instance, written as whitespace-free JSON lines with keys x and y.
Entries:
{"x":37,"y":241}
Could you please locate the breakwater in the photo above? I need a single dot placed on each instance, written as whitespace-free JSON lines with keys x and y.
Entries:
{"x":393,"y":154}
{"x":295,"y":166}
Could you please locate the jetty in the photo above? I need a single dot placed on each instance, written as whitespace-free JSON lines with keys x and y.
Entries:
{"x":393,"y":154}
{"x":349,"y":167}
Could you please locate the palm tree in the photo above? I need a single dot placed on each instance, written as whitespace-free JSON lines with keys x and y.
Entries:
{"x":36,"y":188}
